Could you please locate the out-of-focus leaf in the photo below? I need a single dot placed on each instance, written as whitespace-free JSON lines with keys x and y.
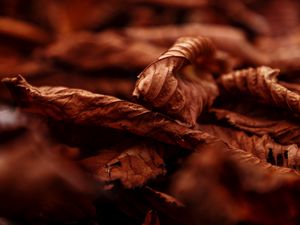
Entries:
{"x":225,"y":38}
{"x":151,"y":218}
{"x":68,"y":16}
{"x":221,"y":188}
{"x":39,"y":184}
{"x":239,"y":12}
{"x":88,"y":51}
{"x":23,"y":31}
{"x":163,"y":86}
{"x":132,"y":165}
{"x":83,"y":107}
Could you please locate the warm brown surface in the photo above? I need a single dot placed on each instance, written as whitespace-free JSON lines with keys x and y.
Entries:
{"x":152,"y":112}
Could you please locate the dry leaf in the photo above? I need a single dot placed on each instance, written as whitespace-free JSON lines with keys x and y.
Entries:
{"x":283,"y":131}
{"x":82,"y":107}
{"x":132,"y":165}
{"x":261,"y":83}
{"x":262,"y":147}
{"x":86,"y":108}
{"x":163,"y":86}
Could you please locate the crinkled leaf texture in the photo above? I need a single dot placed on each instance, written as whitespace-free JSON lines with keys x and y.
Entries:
{"x":261,"y":83}
{"x":281,"y":130}
{"x":164,"y":86}
{"x":83,"y":107}
{"x":263,"y":147}
{"x":132,"y":165}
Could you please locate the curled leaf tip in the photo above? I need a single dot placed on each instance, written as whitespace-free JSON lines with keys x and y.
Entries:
{"x":181,"y":94}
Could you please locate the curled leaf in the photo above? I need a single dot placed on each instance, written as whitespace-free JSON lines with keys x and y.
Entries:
{"x":261,"y":83}
{"x":283,"y":131}
{"x":163,"y":85}
{"x":133,"y":166}
{"x":262,"y":147}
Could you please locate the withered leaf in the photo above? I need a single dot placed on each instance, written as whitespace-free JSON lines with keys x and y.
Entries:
{"x":100,"y":83}
{"x":261,"y":83}
{"x":132,"y":165}
{"x":86,"y":108}
{"x":83,"y":107}
{"x":163,"y":86}
{"x":262,"y":147}
{"x":283,"y":131}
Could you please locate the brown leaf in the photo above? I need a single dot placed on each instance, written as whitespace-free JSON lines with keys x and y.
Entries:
{"x":163,"y":86}
{"x":86,"y":108}
{"x":261,"y":83}
{"x":132,"y":165}
{"x":262,"y":147}
{"x":83,"y":107}
{"x":283,"y":131}
{"x":151,"y":218}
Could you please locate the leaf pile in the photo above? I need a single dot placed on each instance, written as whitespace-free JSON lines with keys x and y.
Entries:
{"x":149,"y":112}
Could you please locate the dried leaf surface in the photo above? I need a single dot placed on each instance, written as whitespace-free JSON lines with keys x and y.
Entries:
{"x":283,"y":131}
{"x":261,"y":83}
{"x":133,"y":166}
{"x":82,"y":107}
{"x":262,"y":147}
{"x":86,"y":108}
{"x":163,"y":86}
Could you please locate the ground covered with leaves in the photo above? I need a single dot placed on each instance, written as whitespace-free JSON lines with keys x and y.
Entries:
{"x":149,"y":112}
